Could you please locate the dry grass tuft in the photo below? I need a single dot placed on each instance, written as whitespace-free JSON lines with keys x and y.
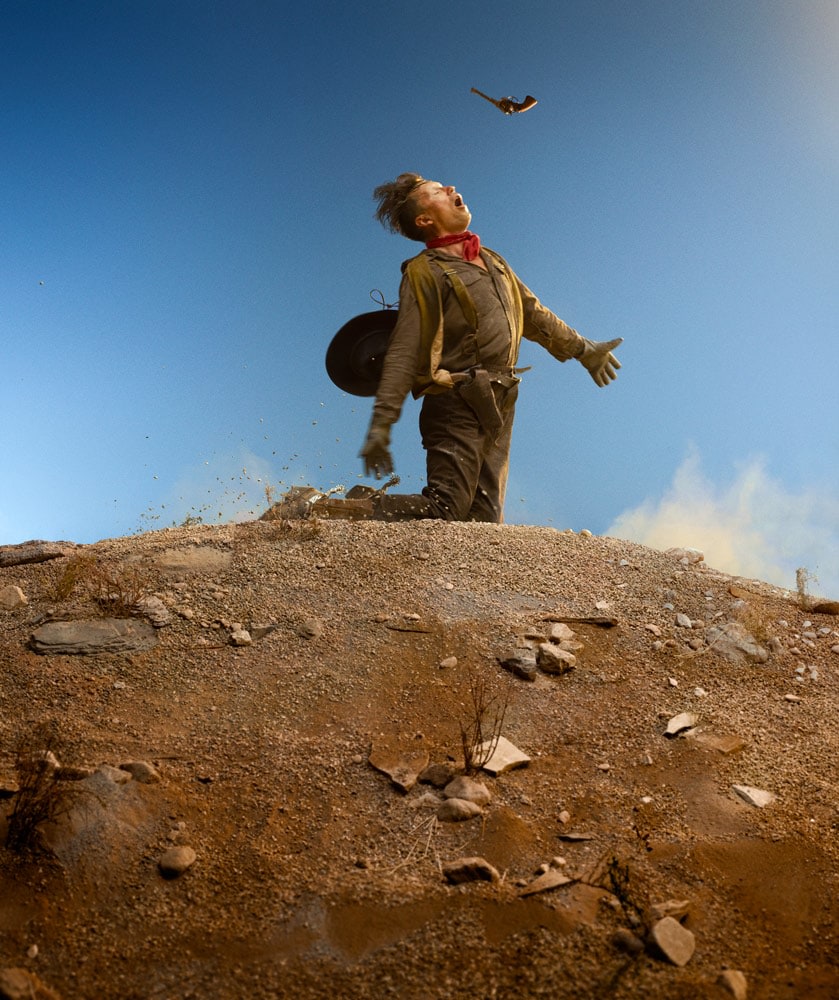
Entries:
{"x":41,"y":797}
{"x":116,"y":587}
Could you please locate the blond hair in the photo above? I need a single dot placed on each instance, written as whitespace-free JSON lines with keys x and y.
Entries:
{"x":398,"y":208}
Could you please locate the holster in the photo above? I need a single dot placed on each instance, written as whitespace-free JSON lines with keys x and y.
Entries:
{"x":477,"y":392}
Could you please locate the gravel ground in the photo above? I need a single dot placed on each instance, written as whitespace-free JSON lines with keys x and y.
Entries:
{"x":315,"y":873}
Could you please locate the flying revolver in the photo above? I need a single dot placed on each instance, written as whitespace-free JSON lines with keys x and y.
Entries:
{"x":509,"y":105}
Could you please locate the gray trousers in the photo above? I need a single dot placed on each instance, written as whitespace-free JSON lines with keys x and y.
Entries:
{"x":466,"y":466}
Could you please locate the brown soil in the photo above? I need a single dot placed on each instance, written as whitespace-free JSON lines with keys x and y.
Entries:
{"x":315,"y":875}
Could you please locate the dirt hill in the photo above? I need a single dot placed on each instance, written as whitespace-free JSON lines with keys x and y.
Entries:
{"x":271,"y":698}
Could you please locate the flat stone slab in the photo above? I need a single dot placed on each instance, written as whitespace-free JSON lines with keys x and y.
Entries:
{"x":722,"y":744}
{"x":550,"y":879}
{"x":685,"y":720}
{"x":504,"y":757}
{"x":195,"y":559}
{"x":402,"y":769}
{"x":100,"y":635}
{"x":754,"y":796}
{"x":33,"y":552}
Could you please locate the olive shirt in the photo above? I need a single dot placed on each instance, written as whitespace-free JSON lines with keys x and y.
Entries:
{"x":507,"y":311}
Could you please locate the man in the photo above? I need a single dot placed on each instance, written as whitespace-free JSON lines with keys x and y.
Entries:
{"x":462,"y":314}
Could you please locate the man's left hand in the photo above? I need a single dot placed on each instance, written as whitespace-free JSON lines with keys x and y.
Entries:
{"x":599,"y":361}
{"x":376,"y":452}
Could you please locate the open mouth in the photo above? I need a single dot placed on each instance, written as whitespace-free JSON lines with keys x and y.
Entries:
{"x":458,"y":202}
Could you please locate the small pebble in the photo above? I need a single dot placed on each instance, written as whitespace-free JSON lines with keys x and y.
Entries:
{"x":624,"y":940}
{"x":176,"y":861}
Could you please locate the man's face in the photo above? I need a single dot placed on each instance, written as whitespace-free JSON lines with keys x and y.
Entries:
{"x":441,"y":210}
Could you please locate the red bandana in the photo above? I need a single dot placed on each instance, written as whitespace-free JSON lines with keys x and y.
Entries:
{"x":471,"y":243}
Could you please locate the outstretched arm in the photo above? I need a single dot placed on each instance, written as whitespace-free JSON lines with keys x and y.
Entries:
{"x":563,"y":342}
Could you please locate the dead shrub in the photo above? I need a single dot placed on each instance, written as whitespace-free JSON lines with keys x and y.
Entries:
{"x":618,"y":881}
{"x":41,"y":796}
{"x":117,"y":587}
{"x":487,"y":698}
{"x":75,"y":570}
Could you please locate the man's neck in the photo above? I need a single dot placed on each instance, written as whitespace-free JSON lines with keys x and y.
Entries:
{"x":456,"y":249}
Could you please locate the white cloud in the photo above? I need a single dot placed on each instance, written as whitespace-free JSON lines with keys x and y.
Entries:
{"x":753,"y":527}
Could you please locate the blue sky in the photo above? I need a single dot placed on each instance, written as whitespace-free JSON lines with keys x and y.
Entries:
{"x":187,"y":220}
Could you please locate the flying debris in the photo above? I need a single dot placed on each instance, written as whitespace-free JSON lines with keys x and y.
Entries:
{"x":509,"y":105}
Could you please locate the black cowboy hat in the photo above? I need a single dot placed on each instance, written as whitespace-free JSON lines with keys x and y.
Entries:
{"x":355,"y":357}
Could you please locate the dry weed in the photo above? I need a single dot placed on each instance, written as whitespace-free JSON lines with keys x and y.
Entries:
{"x":485,"y":707}
{"x":41,"y":797}
{"x":618,"y":881}
{"x":117,"y":587}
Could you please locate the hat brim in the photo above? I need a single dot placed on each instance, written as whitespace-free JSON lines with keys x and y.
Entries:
{"x":355,"y":357}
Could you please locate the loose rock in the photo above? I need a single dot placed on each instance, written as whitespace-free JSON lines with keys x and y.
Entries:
{"x":560,"y":632}
{"x":438,"y":775}
{"x":754,"y":796}
{"x":463,"y":787}
{"x":457,"y":810}
{"x":553,"y":659}
{"x":735,"y":643}
{"x":676,"y":943}
{"x":12,"y":597}
{"x":686,"y":720}
{"x":470,"y":870}
{"x":155,"y":610}
{"x":176,"y":861}
{"x":310,"y":629}
{"x":735,"y":982}
{"x":20,"y":984}
{"x":624,"y":940}
{"x":521,"y":663}
{"x":240,"y":637}
{"x":142,"y":771}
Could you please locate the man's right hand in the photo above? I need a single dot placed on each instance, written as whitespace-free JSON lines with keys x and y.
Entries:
{"x":376,"y":452}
